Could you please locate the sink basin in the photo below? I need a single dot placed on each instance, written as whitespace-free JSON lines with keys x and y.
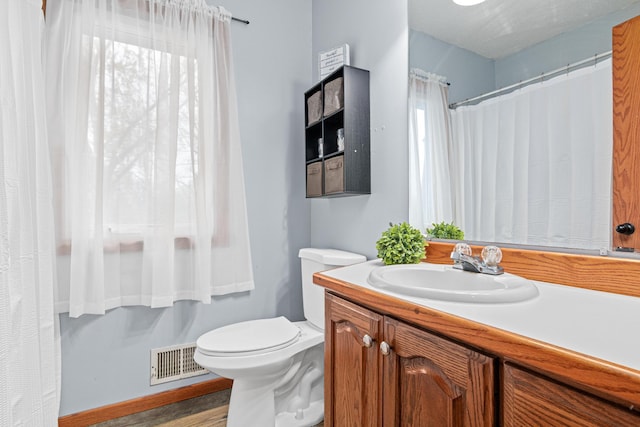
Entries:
{"x":443,"y":282}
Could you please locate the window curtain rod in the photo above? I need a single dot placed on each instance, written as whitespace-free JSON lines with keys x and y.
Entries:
{"x":244,"y":21}
{"x":544,"y":76}
{"x":233,"y":18}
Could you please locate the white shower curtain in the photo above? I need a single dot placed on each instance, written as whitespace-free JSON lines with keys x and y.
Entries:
{"x":431,"y":199}
{"x":150,"y":202}
{"x":537,"y":163}
{"x":29,"y":338}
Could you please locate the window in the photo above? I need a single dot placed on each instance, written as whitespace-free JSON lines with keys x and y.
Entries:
{"x":131,"y":127}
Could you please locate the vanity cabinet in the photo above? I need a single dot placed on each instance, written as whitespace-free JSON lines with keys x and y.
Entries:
{"x":531,"y":399}
{"x":383,"y":372}
{"x":337,"y":135}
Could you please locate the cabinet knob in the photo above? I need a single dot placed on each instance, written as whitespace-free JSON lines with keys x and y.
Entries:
{"x":367,"y":341}
{"x":626,"y":228}
{"x":385,"y":348}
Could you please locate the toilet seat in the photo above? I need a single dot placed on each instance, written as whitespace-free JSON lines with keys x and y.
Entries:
{"x":249,"y":338}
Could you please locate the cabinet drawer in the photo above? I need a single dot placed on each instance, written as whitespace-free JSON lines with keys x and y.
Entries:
{"x":333,"y":96}
{"x":334,"y":175}
{"x":314,"y":108}
{"x":314,"y":179}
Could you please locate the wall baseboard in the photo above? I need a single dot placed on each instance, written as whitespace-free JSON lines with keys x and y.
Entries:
{"x":144,"y":403}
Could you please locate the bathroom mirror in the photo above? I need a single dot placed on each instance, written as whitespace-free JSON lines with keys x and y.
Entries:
{"x":500,"y":42}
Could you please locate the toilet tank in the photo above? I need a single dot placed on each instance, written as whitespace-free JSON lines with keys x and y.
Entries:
{"x":313,"y":260}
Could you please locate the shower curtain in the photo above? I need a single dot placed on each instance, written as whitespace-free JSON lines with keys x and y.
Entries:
{"x":29,"y":337}
{"x":536,"y":163}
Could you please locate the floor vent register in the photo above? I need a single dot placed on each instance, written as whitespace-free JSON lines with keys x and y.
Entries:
{"x":174,"y":363}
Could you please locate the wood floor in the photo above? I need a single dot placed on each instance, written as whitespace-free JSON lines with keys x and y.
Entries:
{"x":205,"y":411}
{"x":216,"y":417}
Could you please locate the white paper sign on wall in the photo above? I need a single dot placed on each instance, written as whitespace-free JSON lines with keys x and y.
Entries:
{"x":332,"y":59}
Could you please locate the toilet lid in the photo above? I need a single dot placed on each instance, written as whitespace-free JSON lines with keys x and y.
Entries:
{"x":251,"y":337}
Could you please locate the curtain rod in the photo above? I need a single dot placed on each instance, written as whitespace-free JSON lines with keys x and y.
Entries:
{"x":244,"y":21}
{"x":233,"y":18}
{"x":570,"y":67}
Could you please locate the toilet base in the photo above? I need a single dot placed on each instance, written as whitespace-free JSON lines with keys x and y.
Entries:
{"x":307,"y":417}
{"x":290,"y":397}
{"x":253,"y":405}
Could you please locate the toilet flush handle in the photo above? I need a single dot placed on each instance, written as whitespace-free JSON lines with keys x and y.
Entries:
{"x":367,"y":341}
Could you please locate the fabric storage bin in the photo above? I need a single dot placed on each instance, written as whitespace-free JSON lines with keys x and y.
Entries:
{"x":333,"y":96}
{"x":314,"y":107}
{"x":334,"y":175}
{"x":314,"y":179}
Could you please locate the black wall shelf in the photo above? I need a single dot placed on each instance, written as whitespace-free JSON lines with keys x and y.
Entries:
{"x":340,"y":101}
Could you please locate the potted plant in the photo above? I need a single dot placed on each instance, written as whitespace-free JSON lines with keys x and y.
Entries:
{"x":401,"y":244}
{"x":445,"y":231}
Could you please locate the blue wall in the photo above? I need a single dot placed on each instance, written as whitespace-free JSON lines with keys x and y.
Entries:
{"x":377,"y":34}
{"x":468,"y":73}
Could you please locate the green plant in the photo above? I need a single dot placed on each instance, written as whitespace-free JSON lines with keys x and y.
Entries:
{"x":445,"y":231}
{"x":401,"y":244}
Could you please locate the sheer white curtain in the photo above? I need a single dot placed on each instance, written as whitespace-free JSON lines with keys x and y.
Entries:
{"x":29,"y":337}
{"x":430,"y":157}
{"x":537,"y":163}
{"x":150,"y":202}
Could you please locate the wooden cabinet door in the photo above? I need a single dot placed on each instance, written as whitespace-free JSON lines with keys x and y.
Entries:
{"x":430,"y":381}
{"x":352,"y":366}
{"x":530,"y":399}
{"x":626,"y":131}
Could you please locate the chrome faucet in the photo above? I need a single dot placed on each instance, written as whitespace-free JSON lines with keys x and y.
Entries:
{"x":488,"y":263}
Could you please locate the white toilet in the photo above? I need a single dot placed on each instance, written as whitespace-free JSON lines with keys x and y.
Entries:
{"x":277,"y":366}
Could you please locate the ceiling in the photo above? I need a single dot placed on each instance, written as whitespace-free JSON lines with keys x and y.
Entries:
{"x":498,"y":28}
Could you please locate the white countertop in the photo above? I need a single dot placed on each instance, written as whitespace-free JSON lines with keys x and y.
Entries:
{"x":598,"y":324}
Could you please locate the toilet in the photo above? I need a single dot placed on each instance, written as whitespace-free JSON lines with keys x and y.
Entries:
{"x":277,"y":366}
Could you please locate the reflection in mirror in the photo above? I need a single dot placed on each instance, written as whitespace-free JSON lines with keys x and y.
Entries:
{"x":532,"y":166}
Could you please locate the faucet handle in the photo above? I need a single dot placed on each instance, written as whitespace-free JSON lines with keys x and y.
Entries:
{"x":491,"y":255}
{"x":462,"y":248}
